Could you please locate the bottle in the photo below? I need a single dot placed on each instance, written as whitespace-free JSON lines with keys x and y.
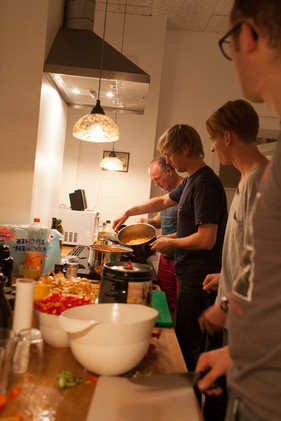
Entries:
{"x":108,"y":232}
{"x":54,"y":223}
{"x":60,"y":229}
{"x":6,"y":264}
{"x":101,"y":231}
{"x":5,"y":309}
{"x":34,"y":251}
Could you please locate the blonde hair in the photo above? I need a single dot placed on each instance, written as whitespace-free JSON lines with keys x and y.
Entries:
{"x":174,"y":139}
{"x":238,"y":117}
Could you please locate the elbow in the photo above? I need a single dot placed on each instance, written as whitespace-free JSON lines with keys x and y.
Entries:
{"x":209,"y":244}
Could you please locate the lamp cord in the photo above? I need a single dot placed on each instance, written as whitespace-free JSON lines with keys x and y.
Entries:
{"x":102,"y":47}
{"x":125,"y":10}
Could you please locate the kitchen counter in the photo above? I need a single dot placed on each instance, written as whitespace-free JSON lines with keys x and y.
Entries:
{"x":39,"y":394}
{"x":40,"y":399}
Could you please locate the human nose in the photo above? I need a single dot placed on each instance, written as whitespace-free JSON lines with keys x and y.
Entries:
{"x":212,"y":148}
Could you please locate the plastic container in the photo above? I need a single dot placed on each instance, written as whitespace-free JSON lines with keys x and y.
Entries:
{"x":34,"y":251}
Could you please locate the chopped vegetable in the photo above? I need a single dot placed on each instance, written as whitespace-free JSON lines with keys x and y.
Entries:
{"x":92,"y":379}
{"x":67,"y":379}
{"x":14,"y":392}
{"x":3,"y":401}
{"x":58,"y":302}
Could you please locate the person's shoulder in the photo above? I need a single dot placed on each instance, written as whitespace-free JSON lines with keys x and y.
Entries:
{"x":207,"y":173}
{"x":256,"y":174}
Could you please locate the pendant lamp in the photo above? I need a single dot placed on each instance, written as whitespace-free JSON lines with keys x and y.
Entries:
{"x":97,"y":127}
{"x":111,"y":162}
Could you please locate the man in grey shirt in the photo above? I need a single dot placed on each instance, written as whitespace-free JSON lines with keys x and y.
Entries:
{"x":253,"y":357}
{"x":233,"y":130}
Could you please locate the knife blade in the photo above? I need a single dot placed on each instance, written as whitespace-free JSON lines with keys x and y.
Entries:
{"x":194,"y":376}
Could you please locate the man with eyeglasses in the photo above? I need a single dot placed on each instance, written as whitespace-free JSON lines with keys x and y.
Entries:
{"x":253,"y":357}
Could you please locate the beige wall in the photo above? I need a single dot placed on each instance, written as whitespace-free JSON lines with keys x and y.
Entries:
{"x":111,"y":192}
{"x":22,"y":43}
{"x":189,"y":80}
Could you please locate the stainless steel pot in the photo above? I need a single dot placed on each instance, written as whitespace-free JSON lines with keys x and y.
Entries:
{"x":135,"y":231}
{"x":99,"y":254}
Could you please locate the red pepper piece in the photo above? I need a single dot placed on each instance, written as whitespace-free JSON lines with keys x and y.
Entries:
{"x":14,"y":392}
{"x":92,"y":379}
{"x":3,"y":401}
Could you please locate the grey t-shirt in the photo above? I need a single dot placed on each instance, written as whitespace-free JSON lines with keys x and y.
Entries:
{"x":237,"y":230}
{"x":255,"y":312}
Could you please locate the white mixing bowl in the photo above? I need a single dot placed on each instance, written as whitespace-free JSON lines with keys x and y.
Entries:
{"x":52,"y":332}
{"x":110,"y":338}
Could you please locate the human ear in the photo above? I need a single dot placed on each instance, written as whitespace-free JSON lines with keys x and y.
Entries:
{"x":227,"y":137}
{"x":250,"y":38}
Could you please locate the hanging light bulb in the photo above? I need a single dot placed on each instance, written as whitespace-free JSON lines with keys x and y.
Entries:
{"x":97,"y":127}
{"x":111,"y":162}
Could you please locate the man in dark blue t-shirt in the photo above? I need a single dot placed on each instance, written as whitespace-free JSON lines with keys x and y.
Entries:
{"x":201,"y":221}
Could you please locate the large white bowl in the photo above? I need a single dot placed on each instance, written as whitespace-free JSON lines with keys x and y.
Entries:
{"x":111,"y":338}
{"x":53,"y":334}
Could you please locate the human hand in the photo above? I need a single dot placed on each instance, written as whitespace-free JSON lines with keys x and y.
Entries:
{"x":217,"y":363}
{"x":212,"y":319}
{"x":119,"y":221}
{"x":162,"y":244}
{"x":211,"y":282}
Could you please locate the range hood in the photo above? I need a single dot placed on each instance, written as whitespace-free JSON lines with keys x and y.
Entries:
{"x":73,"y":66}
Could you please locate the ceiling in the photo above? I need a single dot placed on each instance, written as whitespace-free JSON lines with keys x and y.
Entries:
{"x":187,"y":15}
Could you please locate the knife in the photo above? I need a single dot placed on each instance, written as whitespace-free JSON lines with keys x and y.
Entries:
{"x":194,"y":376}
{"x":172,"y":380}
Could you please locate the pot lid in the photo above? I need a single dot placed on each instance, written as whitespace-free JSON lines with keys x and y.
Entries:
{"x":111,"y":248}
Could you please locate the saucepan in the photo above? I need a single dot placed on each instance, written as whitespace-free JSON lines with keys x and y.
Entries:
{"x":99,"y":254}
{"x":138,"y":236}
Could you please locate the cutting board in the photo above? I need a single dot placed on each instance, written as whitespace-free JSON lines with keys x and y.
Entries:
{"x":159,"y":303}
{"x":162,"y":397}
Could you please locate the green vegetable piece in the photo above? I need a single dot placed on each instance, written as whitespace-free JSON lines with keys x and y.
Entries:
{"x":71,"y":384}
{"x":61,"y":383}
{"x":80,"y":379}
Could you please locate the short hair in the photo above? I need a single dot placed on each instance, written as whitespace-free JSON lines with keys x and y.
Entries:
{"x":162,"y":163}
{"x":235,"y":116}
{"x":175,"y":137}
{"x":265,"y":14}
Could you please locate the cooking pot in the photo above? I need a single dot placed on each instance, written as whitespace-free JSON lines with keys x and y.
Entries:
{"x":132,"y":232}
{"x":99,"y":254}
{"x":126,"y":282}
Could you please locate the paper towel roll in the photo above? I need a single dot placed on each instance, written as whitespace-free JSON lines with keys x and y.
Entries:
{"x":23,"y":304}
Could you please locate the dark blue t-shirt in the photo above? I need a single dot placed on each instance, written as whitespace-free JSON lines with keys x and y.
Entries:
{"x":201,"y":200}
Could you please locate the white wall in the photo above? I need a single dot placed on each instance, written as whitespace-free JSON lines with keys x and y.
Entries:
{"x":111,"y":192}
{"x":49,"y":154}
{"x":197,"y":80}
{"x":22,"y":43}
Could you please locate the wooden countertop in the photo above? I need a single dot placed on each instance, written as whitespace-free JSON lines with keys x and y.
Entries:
{"x":40,"y":398}
{"x":40,"y":395}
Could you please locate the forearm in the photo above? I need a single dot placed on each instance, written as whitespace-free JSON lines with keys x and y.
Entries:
{"x":153,"y":205}
{"x":201,"y":240}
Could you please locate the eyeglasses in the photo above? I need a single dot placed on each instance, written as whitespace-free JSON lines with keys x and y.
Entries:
{"x":225,"y":43}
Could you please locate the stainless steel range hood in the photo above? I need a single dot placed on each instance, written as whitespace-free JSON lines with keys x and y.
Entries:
{"x":73,"y":65}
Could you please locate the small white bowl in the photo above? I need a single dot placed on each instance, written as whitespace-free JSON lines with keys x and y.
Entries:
{"x":53,"y":334}
{"x":110,"y":338}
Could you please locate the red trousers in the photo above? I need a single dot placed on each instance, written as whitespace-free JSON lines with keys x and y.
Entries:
{"x":168,"y":280}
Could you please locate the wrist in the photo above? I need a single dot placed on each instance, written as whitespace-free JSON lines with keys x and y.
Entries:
{"x":224,"y":304}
